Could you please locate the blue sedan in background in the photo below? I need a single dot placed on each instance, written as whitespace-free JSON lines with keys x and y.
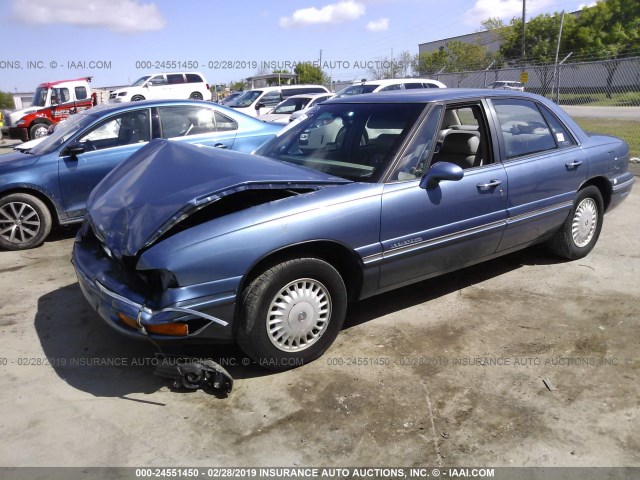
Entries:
{"x":361,"y":195}
{"x":49,"y":184}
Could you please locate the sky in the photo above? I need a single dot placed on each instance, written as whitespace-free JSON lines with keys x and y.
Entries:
{"x":118,"y":41}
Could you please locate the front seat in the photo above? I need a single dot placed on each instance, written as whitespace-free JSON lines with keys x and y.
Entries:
{"x":460,"y":148}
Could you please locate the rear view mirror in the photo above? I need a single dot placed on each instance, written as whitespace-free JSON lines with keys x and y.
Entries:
{"x":75,"y":149}
{"x":441,"y":171}
{"x":259,"y":106}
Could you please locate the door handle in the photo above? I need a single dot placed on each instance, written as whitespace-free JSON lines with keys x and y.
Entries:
{"x":491,"y":184}
{"x":220,"y":145}
{"x":575,"y":163}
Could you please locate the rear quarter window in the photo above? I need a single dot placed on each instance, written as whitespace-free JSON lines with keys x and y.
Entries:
{"x":194,"y":78}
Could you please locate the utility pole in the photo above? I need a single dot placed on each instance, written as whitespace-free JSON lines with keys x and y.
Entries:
{"x":320,"y":65}
{"x":524,"y":12}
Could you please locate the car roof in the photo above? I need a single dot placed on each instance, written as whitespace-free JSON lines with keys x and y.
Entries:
{"x":107,"y":108}
{"x":310,"y":95}
{"x":284,"y":87}
{"x":393,"y":81}
{"x":428,"y":95}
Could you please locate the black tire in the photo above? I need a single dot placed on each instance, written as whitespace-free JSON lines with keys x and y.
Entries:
{"x":196,"y":96}
{"x":25,"y":222}
{"x":580,"y":231}
{"x":137,"y":98}
{"x":38,"y":130}
{"x":306,"y":276}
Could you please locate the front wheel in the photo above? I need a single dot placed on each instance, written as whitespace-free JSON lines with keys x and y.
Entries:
{"x":38,"y":130}
{"x":292,"y":313}
{"x":580,"y":231}
{"x":137,"y":98}
{"x":25,"y":222}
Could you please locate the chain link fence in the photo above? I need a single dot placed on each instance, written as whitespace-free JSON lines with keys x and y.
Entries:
{"x":602,"y":96}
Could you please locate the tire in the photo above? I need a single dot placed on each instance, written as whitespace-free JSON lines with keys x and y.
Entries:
{"x":318,"y":311}
{"x":196,"y":96}
{"x":38,"y":130}
{"x":25,"y":222}
{"x":137,"y":98}
{"x":580,"y":231}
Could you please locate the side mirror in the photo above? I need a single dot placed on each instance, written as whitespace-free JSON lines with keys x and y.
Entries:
{"x":75,"y":149}
{"x":441,"y":171}
{"x":259,"y":105}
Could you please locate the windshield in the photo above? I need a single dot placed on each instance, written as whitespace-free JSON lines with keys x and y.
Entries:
{"x":40,"y":97}
{"x":63,"y":131}
{"x":353,"y":141}
{"x":140,"y":81}
{"x":291,"y":105}
{"x":356,"y":90}
{"x":246,"y":99}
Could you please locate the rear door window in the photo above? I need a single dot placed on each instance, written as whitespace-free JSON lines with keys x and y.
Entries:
{"x":175,"y":78}
{"x":523,"y":128}
{"x":181,"y":121}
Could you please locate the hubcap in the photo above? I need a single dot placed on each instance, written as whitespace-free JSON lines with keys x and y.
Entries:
{"x":585,"y":222}
{"x":19,"y":222}
{"x":41,"y":132}
{"x":299,"y":315}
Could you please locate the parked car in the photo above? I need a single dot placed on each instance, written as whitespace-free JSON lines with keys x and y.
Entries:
{"x":186,"y":244}
{"x":48,"y":183}
{"x":294,"y":105}
{"x":386,"y":85}
{"x":507,"y":85}
{"x":230,"y":98}
{"x":177,"y":85}
{"x":258,"y":101}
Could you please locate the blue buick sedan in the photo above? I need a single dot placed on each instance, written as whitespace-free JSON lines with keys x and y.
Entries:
{"x":361,"y":195}
{"x":49,"y":184}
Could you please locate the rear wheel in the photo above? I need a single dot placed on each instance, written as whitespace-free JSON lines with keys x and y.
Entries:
{"x":196,"y":96}
{"x":25,"y":222}
{"x":580,"y":231}
{"x":137,"y":98}
{"x":38,"y":130}
{"x":292,"y":313}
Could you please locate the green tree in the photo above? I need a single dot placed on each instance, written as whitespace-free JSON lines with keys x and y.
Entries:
{"x":541,"y":41}
{"x":457,"y":56}
{"x":430,"y":62}
{"x":310,"y":74}
{"x":6,"y":100}
{"x":236,"y":86}
{"x":466,"y":56}
{"x":610,"y":29}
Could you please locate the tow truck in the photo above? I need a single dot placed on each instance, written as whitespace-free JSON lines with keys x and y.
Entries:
{"x":52,"y":102}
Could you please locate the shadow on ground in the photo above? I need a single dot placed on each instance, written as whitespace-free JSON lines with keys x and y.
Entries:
{"x":89,"y":356}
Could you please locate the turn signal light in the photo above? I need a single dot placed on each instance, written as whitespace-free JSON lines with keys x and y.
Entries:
{"x":128,"y":321}
{"x":173,"y":329}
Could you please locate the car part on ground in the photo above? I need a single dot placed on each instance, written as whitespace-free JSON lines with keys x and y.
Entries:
{"x":193,"y":373}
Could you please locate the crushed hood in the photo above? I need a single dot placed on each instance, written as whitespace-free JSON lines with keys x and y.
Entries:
{"x":164,"y":182}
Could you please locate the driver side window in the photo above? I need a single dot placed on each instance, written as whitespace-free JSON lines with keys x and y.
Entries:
{"x":124,"y":129}
{"x":413,"y":163}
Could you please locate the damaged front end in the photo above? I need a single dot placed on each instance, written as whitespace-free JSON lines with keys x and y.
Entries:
{"x":140,"y":259}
